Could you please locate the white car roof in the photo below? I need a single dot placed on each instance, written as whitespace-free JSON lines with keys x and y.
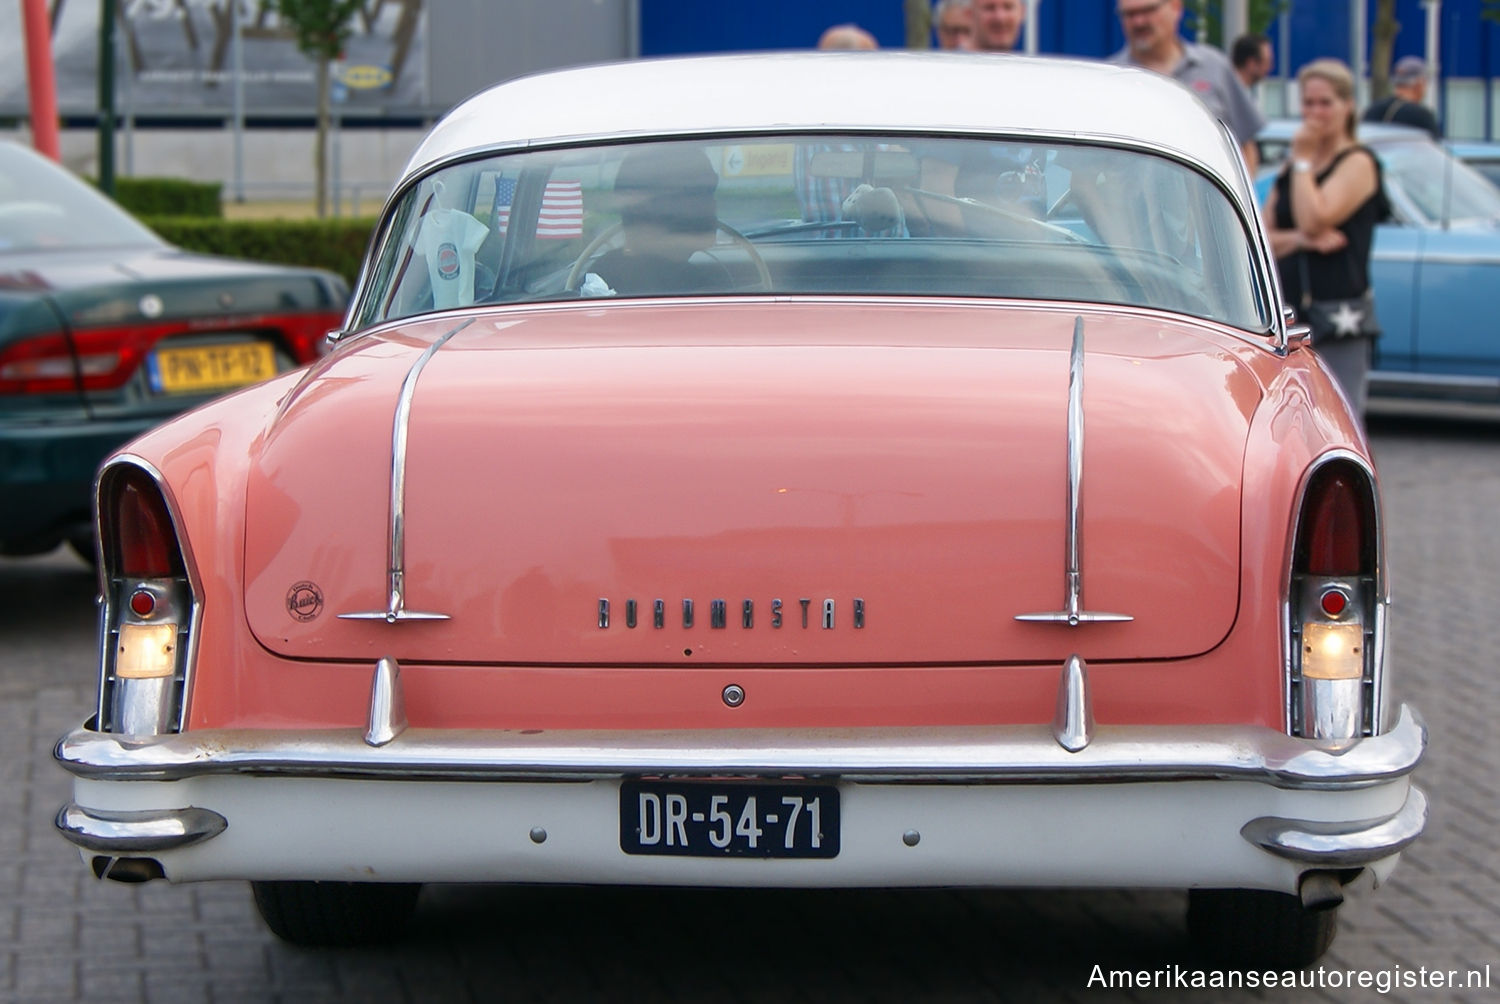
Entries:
{"x":823,"y":91}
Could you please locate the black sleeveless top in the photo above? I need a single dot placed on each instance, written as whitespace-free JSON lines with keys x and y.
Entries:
{"x":1343,"y":274}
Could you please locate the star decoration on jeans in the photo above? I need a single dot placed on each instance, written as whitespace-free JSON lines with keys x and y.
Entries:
{"x":1346,"y":320}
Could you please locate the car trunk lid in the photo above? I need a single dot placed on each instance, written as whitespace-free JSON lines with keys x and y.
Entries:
{"x":803,"y":483}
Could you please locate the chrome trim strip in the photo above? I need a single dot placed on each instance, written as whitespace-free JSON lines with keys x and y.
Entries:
{"x":141,"y":832}
{"x":1429,"y":258}
{"x":1073,"y":613}
{"x":387,"y":718}
{"x":395,"y":611}
{"x":1438,"y":386}
{"x":1073,"y":724}
{"x":481,"y":310}
{"x":970,"y":754}
{"x":1340,"y":845}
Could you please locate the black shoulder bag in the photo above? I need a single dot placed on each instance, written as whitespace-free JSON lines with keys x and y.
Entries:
{"x":1332,"y":320}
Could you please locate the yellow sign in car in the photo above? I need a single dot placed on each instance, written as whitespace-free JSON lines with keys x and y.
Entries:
{"x":197,"y":368}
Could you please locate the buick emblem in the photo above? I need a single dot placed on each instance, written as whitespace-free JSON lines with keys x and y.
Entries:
{"x":304,"y":601}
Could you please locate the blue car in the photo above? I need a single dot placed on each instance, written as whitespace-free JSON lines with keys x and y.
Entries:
{"x":1482,"y":156}
{"x":1435,"y":267}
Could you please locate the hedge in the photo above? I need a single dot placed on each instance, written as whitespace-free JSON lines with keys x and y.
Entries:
{"x":169,"y":197}
{"x":335,"y":244}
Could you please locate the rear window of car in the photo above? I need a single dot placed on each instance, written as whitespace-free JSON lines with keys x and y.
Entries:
{"x":1439,"y":186}
{"x":44,"y":207}
{"x":819,"y":215}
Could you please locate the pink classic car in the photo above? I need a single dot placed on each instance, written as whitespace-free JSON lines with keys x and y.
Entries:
{"x":783,"y":470}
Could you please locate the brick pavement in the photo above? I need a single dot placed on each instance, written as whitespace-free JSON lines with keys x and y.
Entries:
{"x":66,"y":937}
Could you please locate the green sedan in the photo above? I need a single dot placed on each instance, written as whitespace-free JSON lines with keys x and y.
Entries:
{"x":106,"y":330}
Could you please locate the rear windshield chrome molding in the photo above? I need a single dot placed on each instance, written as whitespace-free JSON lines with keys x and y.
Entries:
{"x":479,"y":310}
{"x":1017,"y":754}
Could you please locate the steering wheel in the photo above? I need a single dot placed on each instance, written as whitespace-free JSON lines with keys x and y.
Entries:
{"x":580,"y":264}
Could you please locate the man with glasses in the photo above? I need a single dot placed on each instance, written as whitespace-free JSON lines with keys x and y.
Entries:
{"x":1153,"y":42}
{"x":953,"y":20}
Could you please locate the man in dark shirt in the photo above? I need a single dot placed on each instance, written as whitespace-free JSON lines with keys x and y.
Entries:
{"x":1405,"y":107}
{"x":668,"y":212}
{"x":1252,"y":58}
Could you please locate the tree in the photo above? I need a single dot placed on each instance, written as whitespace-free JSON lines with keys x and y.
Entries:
{"x":323,"y":28}
{"x":1210,"y":14}
{"x":1382,"y":47}
{"x":918,"y":24}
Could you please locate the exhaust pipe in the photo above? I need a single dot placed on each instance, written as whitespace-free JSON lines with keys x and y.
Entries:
{"x":1321,"y":890}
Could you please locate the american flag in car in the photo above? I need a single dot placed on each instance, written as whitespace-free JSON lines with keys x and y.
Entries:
{"x":561,"y":214}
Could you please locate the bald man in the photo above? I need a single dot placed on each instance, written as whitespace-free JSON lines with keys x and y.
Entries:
{"x":847,"y":36}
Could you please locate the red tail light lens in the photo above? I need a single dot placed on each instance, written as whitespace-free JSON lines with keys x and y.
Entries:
{"x":104,"y":359}
{"x":139,"y":529}
{"x":1336,"y":538}
{"x":305,"y":334}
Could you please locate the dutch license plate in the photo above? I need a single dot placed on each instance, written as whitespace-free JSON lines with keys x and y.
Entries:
{"x":729,"y":819}
{"x":199,"y":368}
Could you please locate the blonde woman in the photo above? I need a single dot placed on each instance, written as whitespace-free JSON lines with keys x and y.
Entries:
{"x":1321,"y":214}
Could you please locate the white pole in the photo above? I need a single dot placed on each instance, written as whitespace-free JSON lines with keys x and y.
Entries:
{"x":1032,"y":31}
{"x":1236,"y":20}
{"x":1358,"y":56}
{"x":1284,"y":60}
{"x":1434,"y":48}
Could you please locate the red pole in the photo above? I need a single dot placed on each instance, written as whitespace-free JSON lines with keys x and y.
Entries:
{"x":41,"y":79}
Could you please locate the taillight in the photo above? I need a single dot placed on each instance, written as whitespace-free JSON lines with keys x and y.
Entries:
{"x":305,"y":334}
{"x":1334,"y":598}
{"x":148,"y":609}
{"x":105,"y":359}
{"x":147,"y":546}
{"x":1336,"y":537}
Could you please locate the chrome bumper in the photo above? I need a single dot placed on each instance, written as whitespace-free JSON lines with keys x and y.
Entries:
{"x":1340,"y":845}
{"x":1025,"y":758}
{"x":139,"y":832}
{"x":1016,"y":754}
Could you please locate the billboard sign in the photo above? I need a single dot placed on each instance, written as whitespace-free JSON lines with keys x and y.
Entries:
{"x":176,"y":58}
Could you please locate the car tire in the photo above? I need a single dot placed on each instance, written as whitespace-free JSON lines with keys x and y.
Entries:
{"x":336,"y":914}
{"x":1253,"y":928}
